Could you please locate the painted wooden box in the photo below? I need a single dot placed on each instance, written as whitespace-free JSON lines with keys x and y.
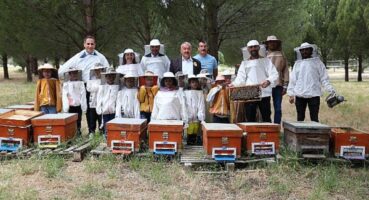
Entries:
{"x":125,"y":135}
{"x":15,"y":129}
{"x":165,"y":136}
{"x":4,"y":111}
{"x":222,"y":141}
{"x":310,"y":139}
{"x":50,"y":130}
{"x":21,"y":107}
{"x":261,"y":138}
{"x":350,"y":143}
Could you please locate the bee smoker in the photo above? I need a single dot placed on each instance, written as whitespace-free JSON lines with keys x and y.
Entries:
{"x":333,"y":99}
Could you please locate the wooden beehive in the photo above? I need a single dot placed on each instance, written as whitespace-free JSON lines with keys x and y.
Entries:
{"x":310,"y":139}
{"x":246,"y":93}
{"x":16,"y":124}
{"x":349,"y":143}
{"x":261,"y":138}
{"x":124,"y":135}
{"x":222,"y":141}
{"x":50,"y":130}
{"x":21,"y":107}
{"x":4,"y":111}
{"x":165,"y":136}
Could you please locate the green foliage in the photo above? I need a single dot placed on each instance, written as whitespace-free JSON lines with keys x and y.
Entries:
{"x":52,"y":166}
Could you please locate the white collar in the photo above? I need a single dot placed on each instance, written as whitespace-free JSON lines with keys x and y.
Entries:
{"x":184,"y":59}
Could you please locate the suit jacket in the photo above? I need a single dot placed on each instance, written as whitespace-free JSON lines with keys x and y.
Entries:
{"x":176,"y":65}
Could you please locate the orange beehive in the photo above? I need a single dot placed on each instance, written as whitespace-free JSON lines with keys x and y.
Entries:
{"x":124,"y":135}
{"x":15,"y":129}
{"x":21,"y":107}
{"x":222,"y":141}
{"x":4,"y":111}
{"x":50,"y":130}
{"x":165,"y":136}
{"x":350,"y":143}
{"x":261,"y":138}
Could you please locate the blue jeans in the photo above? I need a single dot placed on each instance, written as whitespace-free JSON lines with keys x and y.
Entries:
{"x":106,"y":118}
{"x":277,"y":103}
{"x":48,"y":109}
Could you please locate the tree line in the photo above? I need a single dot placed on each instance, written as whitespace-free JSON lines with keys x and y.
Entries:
{"x":53,"y":30}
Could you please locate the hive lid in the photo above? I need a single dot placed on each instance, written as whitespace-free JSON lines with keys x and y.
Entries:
{"x":166,"y":122}
{"x":305,"y":124}
{"x":55,"y":116}
{"x":221,"y":127}
{"x":129,"y":121}
{"x":20,"y":107}
{"x":258,"y":124}
{"x":4,"y":110}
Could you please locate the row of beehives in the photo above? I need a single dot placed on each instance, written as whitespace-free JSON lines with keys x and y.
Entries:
{"x":222,"y":142}
{"x":20,"y":127}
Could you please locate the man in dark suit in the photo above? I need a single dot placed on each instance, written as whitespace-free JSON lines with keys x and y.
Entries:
{"x":186,"y":63}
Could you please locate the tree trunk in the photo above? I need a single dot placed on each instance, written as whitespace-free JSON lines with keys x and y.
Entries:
{"x":57,"y":62}
{"x":211,"y":12}
{"x":34,"y":65}
{"x":5,"y":65}
{"x":360,"y":68}
{"x":89,"y":17}
{"x":28,"y":68}
{"x":346,"y":61}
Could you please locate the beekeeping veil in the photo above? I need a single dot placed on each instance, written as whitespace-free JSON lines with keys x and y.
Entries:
{"x":110,"y":72}
{"x":95,"y":67}
{"x":142,"y":78}
{"x":154,"y":42}
{"x":131,"y":74}
{"x":121,"y":56}
{"x":67,"y":76}
{"x":306,"y":45}
{"x":246,"y":54}
{"x":182,"y":79}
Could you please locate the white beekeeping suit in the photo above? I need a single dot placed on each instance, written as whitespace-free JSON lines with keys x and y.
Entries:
{"x":195,"y":105}
{"x":127,"y":101}
{"x":158,"y":64}
{"x":308,"y":75}
{"x":169,"y":104}
{"x":253,"y":72}
{"x":73,"y":92}
{"x":93,"y":85}
{"x":125,"y":68}
{"x":107,"y":94}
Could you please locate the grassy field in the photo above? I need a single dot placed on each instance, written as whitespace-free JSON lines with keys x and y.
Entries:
{"x":111,"y":178}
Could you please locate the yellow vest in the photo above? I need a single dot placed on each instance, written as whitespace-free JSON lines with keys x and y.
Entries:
{"x":146,"y":98}
{"x":48,"y":93}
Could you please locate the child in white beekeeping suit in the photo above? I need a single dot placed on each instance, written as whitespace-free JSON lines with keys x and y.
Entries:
{"x":74,"y":95}
{"x":169,"y":103}
{"x":128,"y":105}
{"x":107,"y":96}
{"x":93,"y":87}
{"x":195,"y":104}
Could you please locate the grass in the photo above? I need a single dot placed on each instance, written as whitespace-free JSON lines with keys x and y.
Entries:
{"x":112,"y":177}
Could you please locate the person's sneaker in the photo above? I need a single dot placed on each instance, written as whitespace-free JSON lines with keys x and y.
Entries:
{"x":91,"y":135}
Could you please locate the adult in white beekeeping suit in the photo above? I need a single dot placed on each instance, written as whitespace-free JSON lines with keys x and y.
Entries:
{"x":257,"y":70}
{"x":155,"y":61}
{"x":129,"y":62}
{"x":306,"y":80}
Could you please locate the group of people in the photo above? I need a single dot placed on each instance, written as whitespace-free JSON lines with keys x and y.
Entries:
{"x":186,"y":88}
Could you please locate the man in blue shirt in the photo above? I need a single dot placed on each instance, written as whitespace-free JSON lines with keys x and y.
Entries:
{"x":207,"y":61}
